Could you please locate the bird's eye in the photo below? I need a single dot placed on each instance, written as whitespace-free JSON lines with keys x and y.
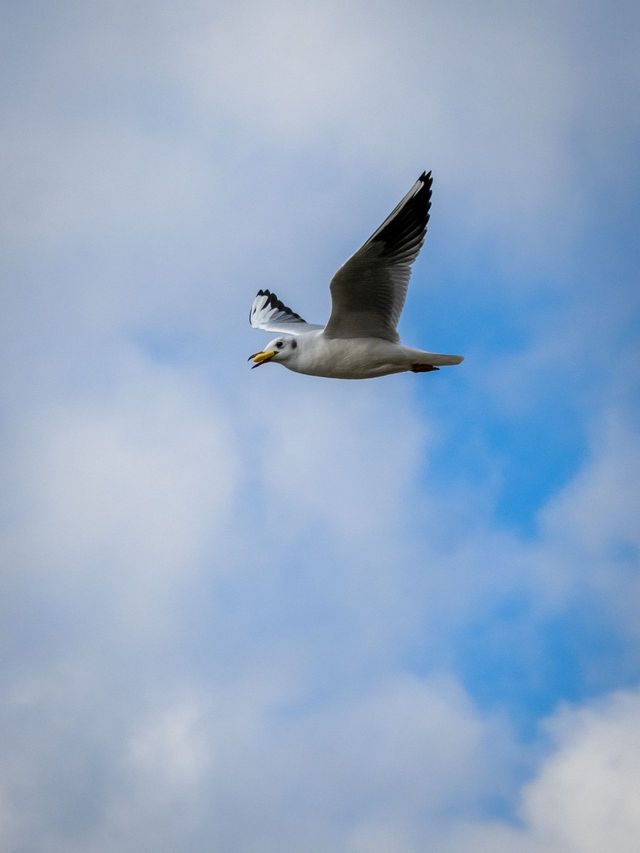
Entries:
{"x":279,"y":345}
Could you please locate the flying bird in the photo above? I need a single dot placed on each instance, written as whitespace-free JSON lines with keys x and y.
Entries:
{"x":360,"y":340}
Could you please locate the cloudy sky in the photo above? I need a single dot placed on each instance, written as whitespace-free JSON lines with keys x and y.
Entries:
{"x":256,"y":611}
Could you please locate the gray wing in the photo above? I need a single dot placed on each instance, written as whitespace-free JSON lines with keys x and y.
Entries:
{"x":368,"y":291}
{"x":272,"y":315}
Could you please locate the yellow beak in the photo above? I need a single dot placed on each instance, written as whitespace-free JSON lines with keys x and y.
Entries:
{"x":261,"y":357}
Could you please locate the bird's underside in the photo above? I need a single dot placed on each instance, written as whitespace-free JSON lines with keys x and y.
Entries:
{"x":368,"y":292}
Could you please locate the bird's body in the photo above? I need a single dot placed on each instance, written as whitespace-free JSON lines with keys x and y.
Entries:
{"x":360,"y":340}
{"x":356,"y":358}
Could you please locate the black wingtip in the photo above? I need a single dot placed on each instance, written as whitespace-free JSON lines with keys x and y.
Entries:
{"x":259,"y":293}
{"x":275,"y":304}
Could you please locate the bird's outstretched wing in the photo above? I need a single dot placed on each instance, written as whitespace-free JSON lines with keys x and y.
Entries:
{"x":369,"y":290}
{"x":272,"y":315}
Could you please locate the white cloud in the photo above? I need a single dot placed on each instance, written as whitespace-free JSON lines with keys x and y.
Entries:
{"x":583,"y":798}
{"x":233,"y":767}
{"x":597,"y":509}
{"x":590,"y":543}
{"x":585,"y":795}
{"x":287,"y":84}
{"x":429,"y":84}
{"x":334,"y":457}
{"x":147,"y":488}
{"x":129,"y":488}
{"x":72,"y":178}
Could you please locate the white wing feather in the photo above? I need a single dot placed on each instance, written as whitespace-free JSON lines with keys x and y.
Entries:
{"x":271,"y":314}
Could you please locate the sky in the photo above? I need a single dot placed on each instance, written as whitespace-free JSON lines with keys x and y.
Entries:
{"x":258,"y":611}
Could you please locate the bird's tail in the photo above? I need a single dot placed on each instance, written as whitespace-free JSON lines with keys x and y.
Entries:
{"x":434,"y":359}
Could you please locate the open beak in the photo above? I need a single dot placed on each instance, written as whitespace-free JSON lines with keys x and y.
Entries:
{"x":261,"y":357}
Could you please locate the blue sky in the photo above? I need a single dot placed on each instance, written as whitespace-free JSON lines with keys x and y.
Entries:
{"x":259,"y":611}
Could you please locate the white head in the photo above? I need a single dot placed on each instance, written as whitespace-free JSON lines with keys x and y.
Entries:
{"x":280,"y":349}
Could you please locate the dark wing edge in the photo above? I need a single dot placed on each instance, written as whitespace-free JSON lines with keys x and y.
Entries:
{"x":403,"y":231}
{"x":369,"y":290}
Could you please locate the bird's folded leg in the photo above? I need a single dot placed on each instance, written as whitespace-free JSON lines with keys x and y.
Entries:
{"x":423,"y":368}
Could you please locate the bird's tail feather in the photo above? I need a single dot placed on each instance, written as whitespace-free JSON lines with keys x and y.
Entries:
{"x":437,"y":359}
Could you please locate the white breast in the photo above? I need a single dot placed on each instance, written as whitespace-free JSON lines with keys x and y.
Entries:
{"x":347,"y":358}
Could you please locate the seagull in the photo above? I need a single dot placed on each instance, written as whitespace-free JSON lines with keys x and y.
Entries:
{"x":360,"y":340}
